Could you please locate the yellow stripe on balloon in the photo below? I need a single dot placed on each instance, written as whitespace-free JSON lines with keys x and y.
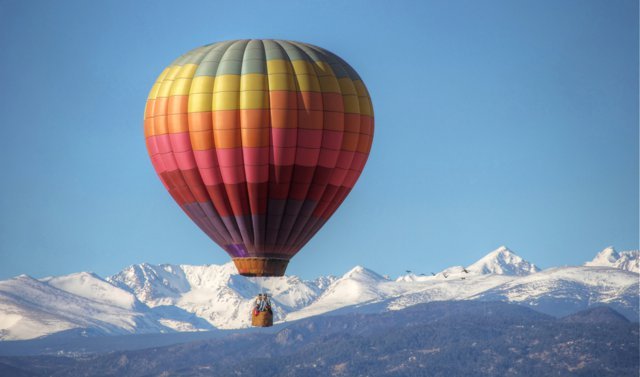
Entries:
{"x":225,"y":101}
{"x":303,"y":67}
{"x":347,"y":87}
{"x":279,"y":66}
{"x":187,"y":71}
{"x":199,"y":102}
{"x":180,"y":87}
{"x":351,"y":104}
{"x":202,"y":84}
{"x":329,"y":84}
{"x":281,"y":81}
{"x":307,"y":83}
{"x":154,"y":91}
{"x":227,"y":83}
{"x":255,"y":99}
{"x":253,"y":81}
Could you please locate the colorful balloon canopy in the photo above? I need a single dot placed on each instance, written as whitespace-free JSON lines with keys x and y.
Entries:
{"x":259,"y":142}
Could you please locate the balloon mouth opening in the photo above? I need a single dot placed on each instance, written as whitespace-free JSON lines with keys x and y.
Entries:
{"x":254,"y":266}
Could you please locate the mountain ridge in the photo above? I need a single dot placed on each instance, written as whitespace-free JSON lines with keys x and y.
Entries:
{"x":148,"y":298}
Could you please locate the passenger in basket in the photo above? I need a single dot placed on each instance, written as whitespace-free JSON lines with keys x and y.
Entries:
{"x":263,"y":303}
{"x":257,"y":304}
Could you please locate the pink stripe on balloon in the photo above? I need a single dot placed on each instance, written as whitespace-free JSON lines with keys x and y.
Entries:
{"x":332,"y":139}
{"x":309,"y":138}
{"x":345,"y":158}
{"x":257,"y":174}
{"x":366,"y":125}
{"x":206,"y":159}
{"x":359,"y":159}
{"x":307,"y":157}
{"x":163,"y":142}
{"x":351,"y":178}
{"x":229,"y":156}
{"x":185,"y":160}
{"x":284,"y":137}
{"x":180,"y":142}
{"x":211,"y":176}
{"x":337,"y":176}
{"x":333,"y":120}
{"x":283,"y":156}
{"x":169,"y":161}
{"x":153,"y":146}
{"x":328,"y":158}
{"x":232,"y":174}
{"x":255,"y":156}
{"x":157,"y":163}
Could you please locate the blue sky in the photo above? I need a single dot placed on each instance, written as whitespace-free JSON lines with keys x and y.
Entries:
{"x":497,"y":122}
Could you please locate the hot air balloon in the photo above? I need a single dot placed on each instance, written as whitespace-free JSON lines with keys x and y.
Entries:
{"x":259,"y":142}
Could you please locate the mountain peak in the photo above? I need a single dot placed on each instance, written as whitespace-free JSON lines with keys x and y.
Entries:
{"x":502,"y":249}
{"x":609,"y":257}
{"x":503,"y":261}
{"x":362,"y":273}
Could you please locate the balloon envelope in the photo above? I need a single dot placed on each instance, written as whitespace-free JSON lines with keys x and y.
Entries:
{"x":259,"y":142}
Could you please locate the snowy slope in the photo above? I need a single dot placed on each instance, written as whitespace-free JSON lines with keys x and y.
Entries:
{"x":625,"y":260}
{"x":565,"y":290}
{"x":216,"y":294}
{"x":153,"y":285}
{"x":149,"y":298}
{"x":31,"y":308}
{"x":356,"y":287}
{"x":91,"y":286}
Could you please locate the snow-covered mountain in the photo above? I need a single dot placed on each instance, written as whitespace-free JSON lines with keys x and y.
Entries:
{"x":149,"y":298}
{"x":214,"y":293}
{"x":31,"y":308}
{"x":503,"y":261}
{"x":609,"y":257}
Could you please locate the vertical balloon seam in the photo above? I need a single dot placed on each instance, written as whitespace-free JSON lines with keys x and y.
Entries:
{"x":294,"y":233}
{"x":248,"y":225}
{"x":208,"y":204}
{"x":278,"y":245}
{"x":275,"y":236}
{"x":271,"y":166}
{"x":210,"y":229}
{"x":330,"y":197}
{"x":233,"y":216}
{"x":268,"y":114}
{"x":231,"y":230}
{"x":292,"y":208}
{"x":315,"y":103}
{"x":338,"y":201}
{"x":293,"y":241}
{"x":218,"y":50}
{"x":214,"y":216}
{"x":241,"y":213}
{"x":179,"y":179}
{"x":326,"y":55}
{"x":151,"y":115}
{"x":197,"y":208}
{"x":254,"y":213}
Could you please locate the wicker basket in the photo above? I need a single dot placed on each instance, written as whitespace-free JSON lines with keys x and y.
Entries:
{"x":262,"y":319}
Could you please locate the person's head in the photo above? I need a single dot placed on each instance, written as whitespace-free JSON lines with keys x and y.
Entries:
{"x":259,"y":294}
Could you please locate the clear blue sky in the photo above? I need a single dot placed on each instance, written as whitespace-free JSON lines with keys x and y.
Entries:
{"x":497,"y":122}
